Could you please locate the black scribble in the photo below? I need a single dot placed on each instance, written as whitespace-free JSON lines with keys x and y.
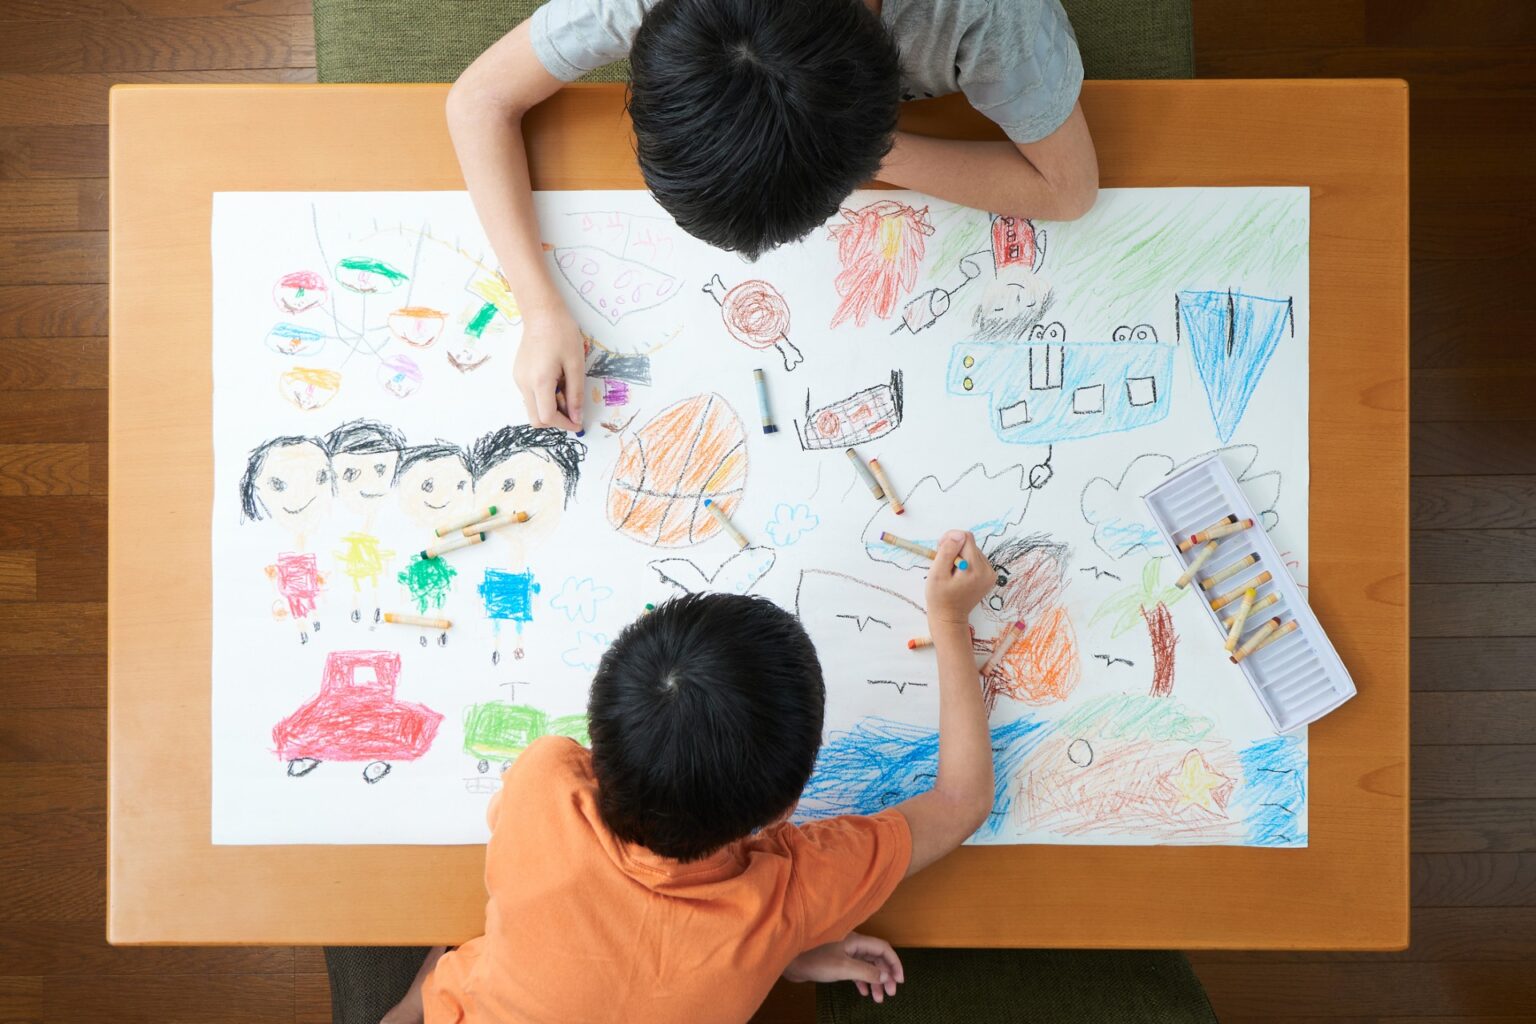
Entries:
{"x":863,"y":621}
{"x":901,"y":686}
{"x":1098,"y":573}
{"x":1110,"y":660}
{"x":862,"y":416}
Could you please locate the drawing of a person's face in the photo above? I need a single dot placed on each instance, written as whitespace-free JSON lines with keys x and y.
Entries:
{"x":527,"y":481}
{"x":1011,"y":303}
{"x":434,"y":490}
{"x":363,"y":478}
{"x":294,"y":485}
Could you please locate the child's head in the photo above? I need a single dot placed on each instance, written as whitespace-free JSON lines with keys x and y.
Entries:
{"x":753,"y":121}
{"x":705,"y":717}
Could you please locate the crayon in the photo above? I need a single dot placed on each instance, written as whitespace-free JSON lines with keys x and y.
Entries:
{"x":469,"y":520}
{"x":416,"y":620}
{"x":725,"y":523}
{"x":919,"y":641}
{"x":885,"y":485}
{"x":1241,"y":617}
{"x":1219,"y":531}
{"x":1236,"y":593}
{"x":1195,"y":564}
{"x":919,"y":550}
{"x":1252,"y":643}
{"x":769,"y":427}
{"x":869,"y":478}
{"x":1262,"y":603}
{"x":1186,"y":544}
{"x":452,"y":544}
{"x":1227,"y":573}
{"x":497,"y":522}
{"x":1004,"y":642}
{"x":1285,"y":630}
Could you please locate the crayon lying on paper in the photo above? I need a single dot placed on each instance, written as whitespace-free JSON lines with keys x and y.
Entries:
{"x":1271,"y":598}
{"x":1255,"y":640}
{"x":769,"y":427}
{"x":1194,"y":566}
{"x":1220,"y":530}
{"x":1285,"y":630}
{"x":1241,"y":617}
{"x":725,"y":523}
{"x":497,"y":522}
{"x":1236,"y":593}
{"x":869,"y":478}
{"x":1001,"y":646}
{"x":919,"y":550}
{"x":469,"y":520}
{"x":416,"y":620}
{"x":1187,"y":543}
{"x":885,"y":485}
{"x":1222,"y":575}
{"x":919,"y":641}
{"x":453,"y":544}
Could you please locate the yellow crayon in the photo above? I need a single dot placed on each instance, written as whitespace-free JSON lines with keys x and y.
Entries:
{"x":452,"y":544}
{"x":416,"y":620}
{"x":1253,"y":642}
{"x":1236,"y":593}
{"x":496,"y":523}
{"x":1263,"y":602}
{"x":469,"y":520}
{"x":1240,"y":618}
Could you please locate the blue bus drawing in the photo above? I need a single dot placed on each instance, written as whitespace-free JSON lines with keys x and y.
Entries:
{"x":1045,"y":389}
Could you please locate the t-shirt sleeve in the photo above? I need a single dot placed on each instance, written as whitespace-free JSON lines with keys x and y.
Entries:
{"x":1019,"y":65}
{"x":844,"y":869}
{"x":572,"y":37}
{"x":547,"y":767}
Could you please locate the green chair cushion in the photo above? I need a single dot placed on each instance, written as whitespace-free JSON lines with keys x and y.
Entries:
{"x":434,"y":40}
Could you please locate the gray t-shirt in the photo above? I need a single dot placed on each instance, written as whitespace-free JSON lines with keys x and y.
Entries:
{"x":1015,"y":60}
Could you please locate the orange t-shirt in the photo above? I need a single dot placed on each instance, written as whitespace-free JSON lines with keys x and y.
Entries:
{"x":581,"y":926}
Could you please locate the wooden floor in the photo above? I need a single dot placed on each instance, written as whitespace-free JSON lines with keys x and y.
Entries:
{"x":1472,"y":66}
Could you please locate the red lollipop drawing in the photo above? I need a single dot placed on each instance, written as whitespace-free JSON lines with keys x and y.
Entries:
{"x":757,"y":316}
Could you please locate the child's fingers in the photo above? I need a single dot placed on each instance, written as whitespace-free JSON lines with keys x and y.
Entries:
{"x":863,"y":988}
{"x":575,"y":388}
{"x":949,"y":549}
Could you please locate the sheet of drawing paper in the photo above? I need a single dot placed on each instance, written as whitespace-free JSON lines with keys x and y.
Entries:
{"x":1027,"y":381}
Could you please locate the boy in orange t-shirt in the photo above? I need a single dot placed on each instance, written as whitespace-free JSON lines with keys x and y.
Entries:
{"x":656,"y":878}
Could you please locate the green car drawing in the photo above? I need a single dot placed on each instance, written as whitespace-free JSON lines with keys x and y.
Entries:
{"x":498,"y":731}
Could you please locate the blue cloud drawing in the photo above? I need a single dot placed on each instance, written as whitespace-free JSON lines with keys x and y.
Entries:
{"x":790,"y":523}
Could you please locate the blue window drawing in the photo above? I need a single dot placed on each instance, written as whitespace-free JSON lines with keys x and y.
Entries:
{"x":1045,"y":389}
{"x":1232,"y":337}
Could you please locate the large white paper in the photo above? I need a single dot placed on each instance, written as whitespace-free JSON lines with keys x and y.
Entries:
{"x":1025,"y":381}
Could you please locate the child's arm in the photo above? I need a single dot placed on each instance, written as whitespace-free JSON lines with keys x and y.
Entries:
{"x":1056,"y":178}
{"x":961,"y":798}
{"x":485,"y":117}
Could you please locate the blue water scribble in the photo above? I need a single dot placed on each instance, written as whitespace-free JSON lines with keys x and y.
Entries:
{"x":1273,"y":796}
{"x":1232,"y":337}
{"x":587,"y":652}
{"x":879,"y":763}
{"x":508,"y":595}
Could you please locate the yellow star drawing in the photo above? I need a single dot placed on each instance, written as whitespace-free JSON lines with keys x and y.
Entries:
{"x":1196,"y":784}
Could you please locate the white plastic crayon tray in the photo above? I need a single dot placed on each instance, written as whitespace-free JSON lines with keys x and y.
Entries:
{"x":1298,"y":678}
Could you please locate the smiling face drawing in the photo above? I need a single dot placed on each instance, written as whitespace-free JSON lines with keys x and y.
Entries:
{"x":363,"y":478}
{"x":291,"y":482}
{"x":525,"y":481}
{"x":434,"y":486}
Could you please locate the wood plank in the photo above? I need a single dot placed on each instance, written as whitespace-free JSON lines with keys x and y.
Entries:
{"x":55,"y":523}
{"x":1439,"y":934}
{"x":1470,"y":826}
{"x":61,"y":204}
{"x":1330,"y":989}
{"x":1478,"y":393}
{"x":1462,"y":310}
{"x":1468,"y":610}
{"x":52,"y":310}
{"x":44,"y":469}
{"x":52,"y":628}
{"x":54,"y":681}
{"x":52,"y":10}
{"x":64,"y":840}
{"x":1474,"y":502}
{"x":1475,"y":880}
{"x":1473,"y":663}
{"x":77,"y":576}
{"x":1478,"y":228}
{"x":43,"y":787}
{"x":197,"y":44}
{"x":309,"y":959}
{"x":1445,"y":72}
{"x":1462,"y":449}
{"x":56,"y":257}
{"x":52,"y":363}
{"x":18,"y":575}
{"x":148,"y":999}
{"x":21,"y":1000}
{"x":71,"y":950}
{"x":311,"y":998}
{"x":73,"y":99}
{"x":53,"y":151}
{"x":53,"y":417}
{"x":66,"y":735}
{"x":1487,"y":24}
{"x":48,"y":891}
{"x":1474,"y":717}
{"x":42,"y":46}
{"x":1478,"y":773}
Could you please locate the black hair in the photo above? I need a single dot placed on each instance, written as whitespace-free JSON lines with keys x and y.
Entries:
{"x":363,"y":437}
{"x":250,"y":506}
{"x":552,"y":443}
{"x":439,"y":449}
{"x":754,"y":119}
{"x":705,"y":717}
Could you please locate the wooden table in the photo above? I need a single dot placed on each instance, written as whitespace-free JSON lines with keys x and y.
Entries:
{"x":172,"y":147}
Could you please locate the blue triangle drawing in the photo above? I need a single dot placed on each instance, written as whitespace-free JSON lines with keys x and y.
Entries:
{"x":1232,"y":337}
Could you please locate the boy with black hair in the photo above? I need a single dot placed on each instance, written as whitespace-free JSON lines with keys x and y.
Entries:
{"x":657,"y":877}
{"x":754,"y":120}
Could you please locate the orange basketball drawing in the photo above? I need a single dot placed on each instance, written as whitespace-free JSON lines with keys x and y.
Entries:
{"x":691,"y":450}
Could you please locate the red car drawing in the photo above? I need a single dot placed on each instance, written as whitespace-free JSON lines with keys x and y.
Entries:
{"x":356,"y":717}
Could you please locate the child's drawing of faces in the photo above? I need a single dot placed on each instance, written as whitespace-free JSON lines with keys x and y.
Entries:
{"x":292,"y":483}
{"x":363,"y":478}
{"x":526,"y":481}
{"x":434,"y":486}
{"x":1011,"y":303}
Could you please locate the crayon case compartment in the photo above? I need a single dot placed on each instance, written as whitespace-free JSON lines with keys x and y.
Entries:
{"x":1298,"y":678}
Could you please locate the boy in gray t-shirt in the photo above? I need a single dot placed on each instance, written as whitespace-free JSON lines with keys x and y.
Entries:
{"x":754,"y":120}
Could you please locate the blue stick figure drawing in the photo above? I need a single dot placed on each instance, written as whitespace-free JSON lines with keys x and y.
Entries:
{"x":508,"y":597}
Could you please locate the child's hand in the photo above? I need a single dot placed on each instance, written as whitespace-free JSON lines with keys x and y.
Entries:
{"x":870,"y":963}
{"x":550,"y":369}
{"x":951,"y":592}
